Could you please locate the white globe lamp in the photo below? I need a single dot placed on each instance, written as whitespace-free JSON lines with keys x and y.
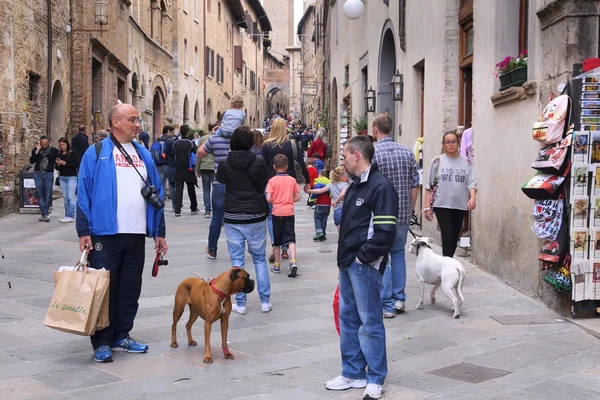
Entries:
{"x":354,"y":9}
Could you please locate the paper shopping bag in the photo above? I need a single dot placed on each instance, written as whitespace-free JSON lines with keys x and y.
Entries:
{"x":102,"y":309}
{"x":76,"y":303}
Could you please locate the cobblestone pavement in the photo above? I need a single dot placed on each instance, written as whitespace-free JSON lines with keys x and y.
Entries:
{"x":290,"y":352}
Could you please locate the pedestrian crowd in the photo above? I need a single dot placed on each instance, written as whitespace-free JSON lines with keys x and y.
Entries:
{"x":251,"y":181}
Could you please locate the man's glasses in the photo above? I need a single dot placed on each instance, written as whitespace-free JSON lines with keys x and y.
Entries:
{"x":450,"y":142}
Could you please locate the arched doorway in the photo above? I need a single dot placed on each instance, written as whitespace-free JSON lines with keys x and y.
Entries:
{"x":209,"y":111}
{"x":186,"y":110}
{"x":157,"y":107}
{"x":57,"y":127}
{"x":387,"y":67}
{"x":197,"y":113}
{"x":218,"y":116}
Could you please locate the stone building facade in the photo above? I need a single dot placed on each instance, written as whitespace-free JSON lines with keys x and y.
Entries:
{"x":34,"y":96}
{"x":448,"y":75}
{"x":281,"y":14}
{"x":151,"y":83}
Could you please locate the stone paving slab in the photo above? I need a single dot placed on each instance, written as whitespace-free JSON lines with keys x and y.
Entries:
{"x":286,"y":354}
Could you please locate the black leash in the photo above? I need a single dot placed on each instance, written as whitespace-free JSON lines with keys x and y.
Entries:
{"x":414,"y":220}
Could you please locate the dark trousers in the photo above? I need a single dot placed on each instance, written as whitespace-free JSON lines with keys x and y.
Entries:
{"x":179,"y":195}
{"x":450,"y":221}
{"x":123,"y":255}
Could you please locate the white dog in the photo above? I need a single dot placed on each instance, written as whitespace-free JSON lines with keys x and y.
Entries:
{"x":438,"y":271}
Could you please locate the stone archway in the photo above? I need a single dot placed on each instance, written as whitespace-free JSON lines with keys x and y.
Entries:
{"x":158,"y":102}
{"x":197,"y":114}
{"x":57,"y":127}
{"x":387,"y":67}
{"x":209,"y":113}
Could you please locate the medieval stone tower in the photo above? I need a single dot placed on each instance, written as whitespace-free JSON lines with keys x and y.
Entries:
{"x":281,"y":15}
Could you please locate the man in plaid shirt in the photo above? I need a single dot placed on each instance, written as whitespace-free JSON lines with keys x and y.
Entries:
{"x":397,"y":163}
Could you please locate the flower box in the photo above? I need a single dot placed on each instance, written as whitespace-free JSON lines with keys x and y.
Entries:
{"x":516,"y":77}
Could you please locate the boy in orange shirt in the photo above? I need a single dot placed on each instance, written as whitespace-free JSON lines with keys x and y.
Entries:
{"x":282,"y":192}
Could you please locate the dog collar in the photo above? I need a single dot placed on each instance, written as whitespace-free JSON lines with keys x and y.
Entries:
{"x":217,"y":291}
{"x":421,"y":244}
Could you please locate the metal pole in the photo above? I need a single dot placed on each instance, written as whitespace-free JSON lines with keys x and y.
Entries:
{"x":49,"y":72}
{"x":4,"y":262}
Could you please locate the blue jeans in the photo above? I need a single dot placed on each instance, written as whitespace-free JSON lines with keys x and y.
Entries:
{"x":170,"y":172}
{"x":337,"y":216}
{"x":394,"y":278}
{"x":321,"y":216}
{"x":162,"y":175}
{"x":216,"y":222}
{"x":362,"y":333}
{"x":68,"y":187}
{"x":207,"y":179}
{"x":44,"y":181}
{"x":270,"y":227}
{"x":256,"y":237}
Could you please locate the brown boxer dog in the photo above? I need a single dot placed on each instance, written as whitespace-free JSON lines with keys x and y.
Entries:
{"x":210,"y":301}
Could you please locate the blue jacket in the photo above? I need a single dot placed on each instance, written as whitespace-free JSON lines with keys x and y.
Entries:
{"x":369,"y":221}
{"x":97,"y":193}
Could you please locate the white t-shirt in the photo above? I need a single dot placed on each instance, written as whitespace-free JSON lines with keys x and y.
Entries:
{"x":131,"y":205}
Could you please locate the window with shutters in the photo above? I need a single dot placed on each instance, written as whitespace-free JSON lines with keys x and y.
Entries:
{"x":220,"y":67}
{"x":208,"y":5}
{"x":237,"y":58}
{"x":219,"y":11}
{"x":207,"y":61}
{"x":212,"y":63}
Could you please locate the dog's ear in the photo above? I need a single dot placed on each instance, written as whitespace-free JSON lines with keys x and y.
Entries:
{"x":235,"y":273}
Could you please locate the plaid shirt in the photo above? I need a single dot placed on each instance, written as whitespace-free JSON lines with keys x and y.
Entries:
{"x":397,"y":163}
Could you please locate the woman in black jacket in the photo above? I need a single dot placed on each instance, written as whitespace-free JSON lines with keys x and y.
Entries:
{"x":279,"y":143}
{"x":66,"y":164}
{"x":245,"y":177}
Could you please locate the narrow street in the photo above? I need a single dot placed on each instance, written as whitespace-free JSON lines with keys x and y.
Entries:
{"x":290,"y":352}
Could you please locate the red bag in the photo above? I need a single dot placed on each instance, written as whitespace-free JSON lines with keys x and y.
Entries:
{"x":336,"y":309}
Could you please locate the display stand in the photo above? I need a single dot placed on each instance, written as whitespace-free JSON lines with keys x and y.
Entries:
{"x":585,"y":194}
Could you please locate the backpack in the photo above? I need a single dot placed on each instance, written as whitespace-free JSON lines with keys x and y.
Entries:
{"x":158,"y":150}
{"x":545,"y":186}
{"x":552,"y":124}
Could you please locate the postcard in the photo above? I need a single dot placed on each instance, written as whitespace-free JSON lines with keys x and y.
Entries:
{"x":591,"y":128}
{"x":589,"y":112}
{"x":579,"y":244}
{"x":595,"y":245}
{"x":581,"y":143}
{"x":590,"y":95}
{"x":580,"y":179}
{"x":595,"y":213}
{"x":580,"y":212}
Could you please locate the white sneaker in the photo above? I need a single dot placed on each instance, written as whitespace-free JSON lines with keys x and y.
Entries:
{"x":343,"y":383}
{"x":239,"y":309}
{"x":399,"y":306}
{"x":64,"y":220}
{"x":266,"y":307}
{"x":388,"y":314}
{"x":373,"y":392}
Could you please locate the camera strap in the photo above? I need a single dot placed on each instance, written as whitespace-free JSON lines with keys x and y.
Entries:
{"x":129,"y":159}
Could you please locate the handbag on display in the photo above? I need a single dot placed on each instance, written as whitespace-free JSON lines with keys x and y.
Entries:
{"x":553,"y":159}
{"x":545,"y":186}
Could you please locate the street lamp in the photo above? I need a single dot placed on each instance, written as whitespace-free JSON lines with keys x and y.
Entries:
{"x":397,"y":86}
{"x":354,"y":9}
{"x":101,"y":14}
{"x":370,"y":100}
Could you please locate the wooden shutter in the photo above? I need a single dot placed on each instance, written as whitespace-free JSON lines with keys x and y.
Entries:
{"x":237,"y":58}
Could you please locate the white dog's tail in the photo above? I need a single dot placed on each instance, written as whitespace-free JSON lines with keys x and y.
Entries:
{"x":461,"y":279}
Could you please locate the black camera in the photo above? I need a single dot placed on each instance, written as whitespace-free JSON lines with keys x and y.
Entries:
{"x":150,"y":193}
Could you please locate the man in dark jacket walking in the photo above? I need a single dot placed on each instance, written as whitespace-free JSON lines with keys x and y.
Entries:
{"x":367,"y":233}
{"x":168,"y":169}
{"x":80,"y":142}
{"x":245,"y":176}
{"x":184,"y":172}
{"x":43,"y":156}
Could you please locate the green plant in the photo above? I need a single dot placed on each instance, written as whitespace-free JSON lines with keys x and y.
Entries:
{"x":325,"y":117}
{"x":509,"y":63}
{"x":360,"y":123}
